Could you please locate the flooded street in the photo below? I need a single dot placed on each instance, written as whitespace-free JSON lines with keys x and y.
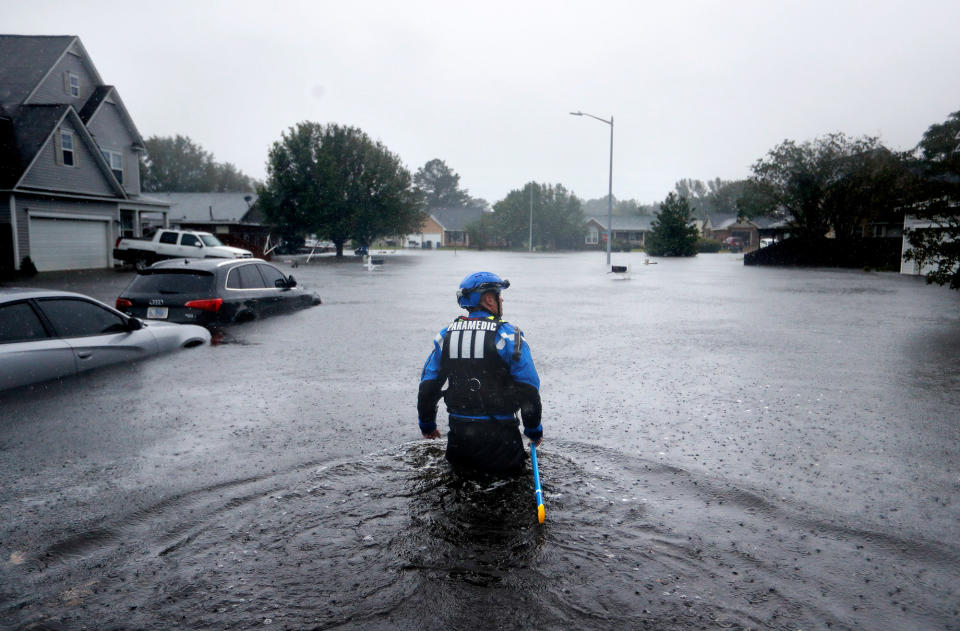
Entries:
{"x":725,"y":447}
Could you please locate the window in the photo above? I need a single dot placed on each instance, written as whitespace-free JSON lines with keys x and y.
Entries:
{"x":168,"y":237}
{"x":71,"y":84}
{"x":115,"y":161}
{"x":67,"y":156}
{"x":173,"y":283}
{"x":244,"y":277}
{"x":19,"y":323}
{"x":593,"y":236}
{"x":190,"y":239}
{"x":78,"y":318}
{"x":271,"y":275}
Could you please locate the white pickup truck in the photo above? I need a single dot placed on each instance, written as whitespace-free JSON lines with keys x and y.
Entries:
{"x":174,"y":244}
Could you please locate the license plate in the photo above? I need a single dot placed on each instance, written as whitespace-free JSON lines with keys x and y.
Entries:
{"x":156,"y":313}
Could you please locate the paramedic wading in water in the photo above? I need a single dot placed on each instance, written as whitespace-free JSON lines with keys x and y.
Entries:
{"x":490,"y":375}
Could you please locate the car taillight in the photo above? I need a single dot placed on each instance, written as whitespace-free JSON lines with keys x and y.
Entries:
{"x":209,"y":304}
{"x":123,"y":303}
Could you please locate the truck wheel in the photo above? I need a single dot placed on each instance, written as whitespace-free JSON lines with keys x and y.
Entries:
{"x":141,"y":263}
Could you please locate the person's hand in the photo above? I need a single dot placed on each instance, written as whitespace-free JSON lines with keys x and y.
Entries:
{"x":537,"y":442}
{"x":434,"y":434}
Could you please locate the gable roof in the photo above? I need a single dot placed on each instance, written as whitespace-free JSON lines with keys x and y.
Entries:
{"x":100,"y":95}
{"x":456,"y":219}
{"x":719,"y":221}
{"x":32,"y":129}
{"x":27,"y":59}
{"x":626,"y":223}
{"x":212,"y":208}
{"x":27,"y":134}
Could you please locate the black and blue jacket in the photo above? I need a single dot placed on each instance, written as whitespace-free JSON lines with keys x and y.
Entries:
{"x":489,"y":371}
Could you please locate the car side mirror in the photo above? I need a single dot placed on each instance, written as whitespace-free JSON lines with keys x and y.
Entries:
{"x":134,"y":324}
{"x":199,"y":244}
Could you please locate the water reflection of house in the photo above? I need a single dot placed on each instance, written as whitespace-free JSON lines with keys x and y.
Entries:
{"x":233,"y":217}
{"x":627,"y":229}
{"x":445,"y":227}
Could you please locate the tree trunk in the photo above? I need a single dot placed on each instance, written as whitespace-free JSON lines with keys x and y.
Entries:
{"x":339,"y":246}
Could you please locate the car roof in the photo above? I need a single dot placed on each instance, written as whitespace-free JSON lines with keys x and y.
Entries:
{"x":207,"y":265}
{"x":9,"y":294}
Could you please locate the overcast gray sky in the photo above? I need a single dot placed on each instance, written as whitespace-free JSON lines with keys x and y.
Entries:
{"x":697,"y":89}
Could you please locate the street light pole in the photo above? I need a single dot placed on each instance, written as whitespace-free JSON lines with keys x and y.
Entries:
{"x":609,"y":183}
{"x":531,"y":216}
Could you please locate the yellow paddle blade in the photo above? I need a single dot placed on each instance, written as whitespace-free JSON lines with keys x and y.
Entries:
{"x":541,"y":513}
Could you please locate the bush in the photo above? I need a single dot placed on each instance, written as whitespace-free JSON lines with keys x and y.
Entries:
{"x":27,"y":268}
{"x":708,"y":245}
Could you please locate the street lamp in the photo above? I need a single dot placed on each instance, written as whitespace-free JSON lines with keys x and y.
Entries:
{"x":610,"y":182}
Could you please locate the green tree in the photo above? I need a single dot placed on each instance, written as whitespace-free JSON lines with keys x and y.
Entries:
{"x":622,"y":207}
{"x":440,"y":186}
{"x":178,"y":164}
{"x":833,"y":183}
{"x":936,"y":202}
{"x":337,"y":183}
{"x":557,"y":217}
{"x":671,"y":233}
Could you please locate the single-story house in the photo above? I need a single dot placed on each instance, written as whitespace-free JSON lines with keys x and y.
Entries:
{"x":749,"y":231}
{"x":445,"y":227}
{"x":630,"y":229}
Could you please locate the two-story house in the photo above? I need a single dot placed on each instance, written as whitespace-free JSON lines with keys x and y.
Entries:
{"x":69,"y":158}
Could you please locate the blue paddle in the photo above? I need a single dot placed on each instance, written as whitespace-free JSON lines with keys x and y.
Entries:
{"x":541,"y":513}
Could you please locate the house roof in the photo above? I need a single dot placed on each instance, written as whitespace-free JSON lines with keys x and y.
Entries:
{"x":626,"y":223}
{"x":26,"y":61}
{"x":212,"y":208}
{"x":719,"y":221}
{"x":23,"y":136}
{"x":768,"y":222}
{"x":99,"y":96}
{"x":456,"y":219}
{"x":93,"y":103}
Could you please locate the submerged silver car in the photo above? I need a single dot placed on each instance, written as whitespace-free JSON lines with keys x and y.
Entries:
{"x":47,"y":334}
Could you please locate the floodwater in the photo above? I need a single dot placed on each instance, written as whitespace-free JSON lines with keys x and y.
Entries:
{"x":725,"y":447}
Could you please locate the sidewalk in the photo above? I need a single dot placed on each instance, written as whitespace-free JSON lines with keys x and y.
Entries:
{"x":103,"y":284}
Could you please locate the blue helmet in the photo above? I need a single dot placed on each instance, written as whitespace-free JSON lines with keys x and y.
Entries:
{"x":477,"y":284}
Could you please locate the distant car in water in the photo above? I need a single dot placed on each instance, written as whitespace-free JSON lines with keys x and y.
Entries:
{"x":212,"y":292}
{"x":47,"y":334}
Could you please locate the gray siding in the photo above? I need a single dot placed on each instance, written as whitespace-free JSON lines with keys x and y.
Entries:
{"x":52,"y":89}
{"x":25,"y":204}
{"x":86,"y":177}
{"x":111,"y":133}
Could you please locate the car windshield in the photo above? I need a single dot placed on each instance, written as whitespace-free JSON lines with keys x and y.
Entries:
{"x":172,"y":283}
{"x":210,"y":240}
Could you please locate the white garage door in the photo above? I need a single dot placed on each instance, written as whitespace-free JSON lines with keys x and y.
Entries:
{"x":57,"y":244}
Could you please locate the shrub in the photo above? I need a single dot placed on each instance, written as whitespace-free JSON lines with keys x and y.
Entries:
{"x":27,"y":268}
{"x":708,"y":245}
